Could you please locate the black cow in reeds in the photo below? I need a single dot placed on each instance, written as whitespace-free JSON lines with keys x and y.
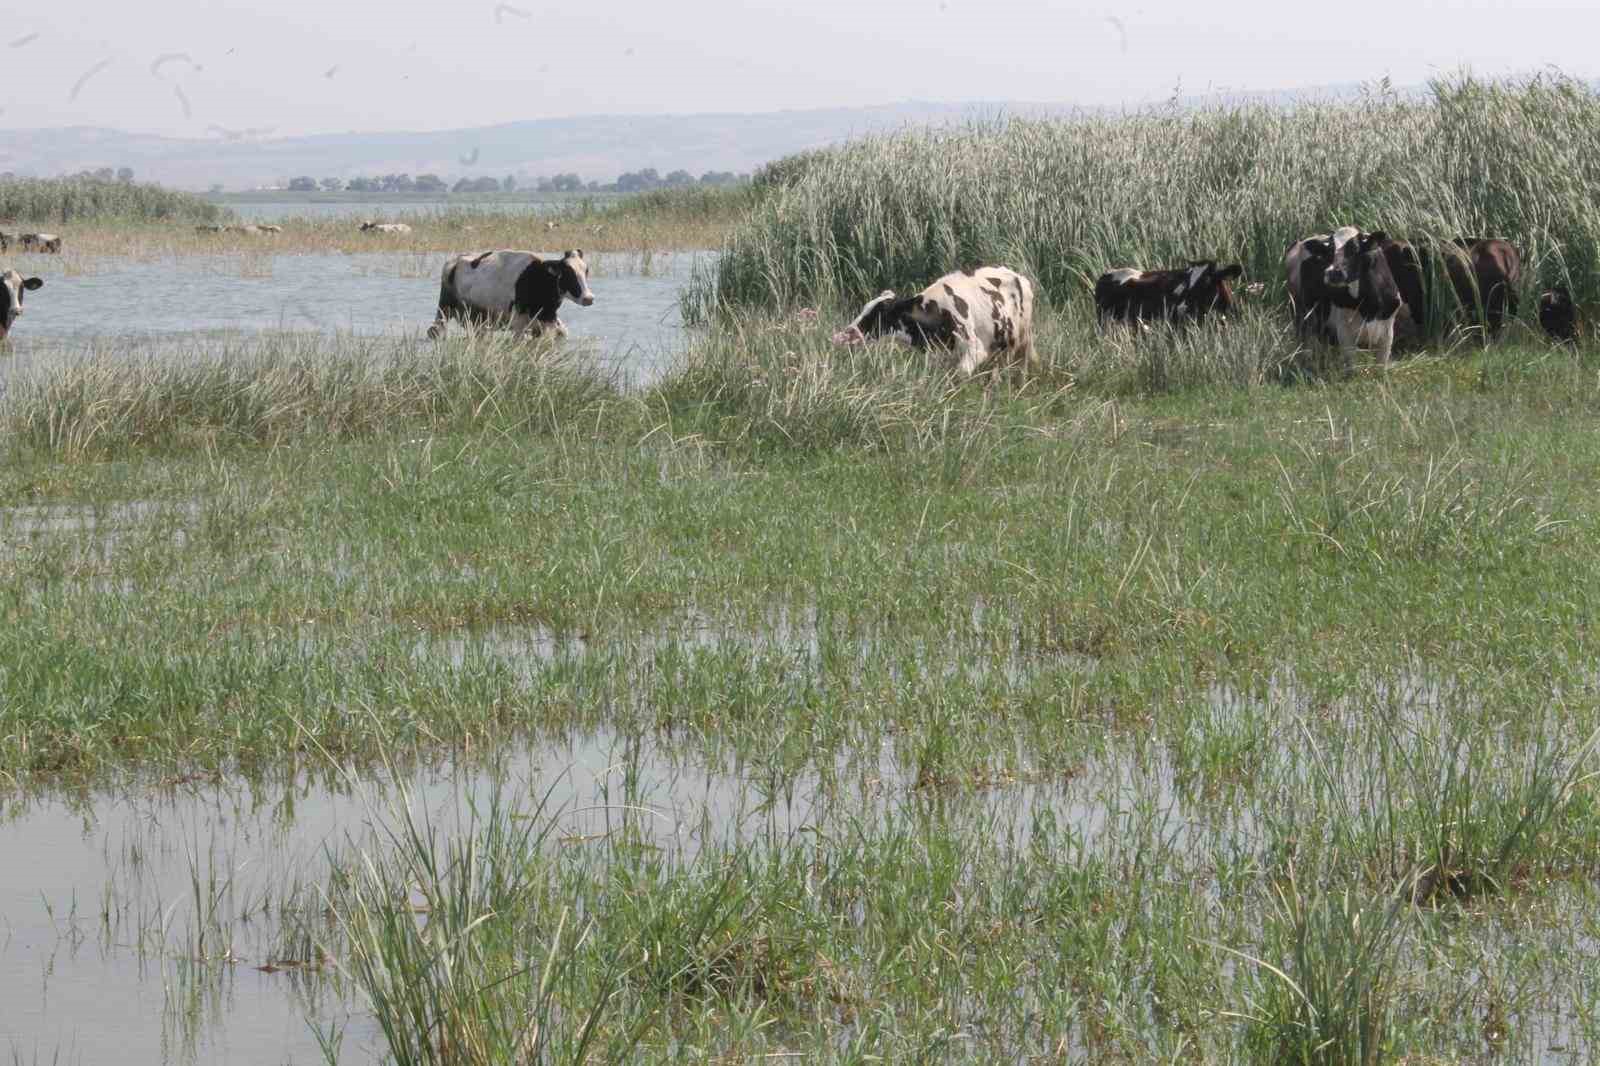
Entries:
{"x":980,"y":314}
{"x":12,"y":287}
{"x":1187,"y":294}
{"x":1557,"y":315}
{"x":1341,"y":289}
{"x":518,"y":290}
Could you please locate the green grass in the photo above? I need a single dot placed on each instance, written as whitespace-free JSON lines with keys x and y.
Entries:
{"x":1176,"y":703}
{"x":63,"y":201}
{"x":1063,"y":201}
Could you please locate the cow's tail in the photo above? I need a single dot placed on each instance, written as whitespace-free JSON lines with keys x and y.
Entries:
{"x":450,"y":304}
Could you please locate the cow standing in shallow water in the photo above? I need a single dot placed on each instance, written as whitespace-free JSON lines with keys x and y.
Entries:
{"x":1341,"y":284}
{"x":1186,"y":295}
{"x":979,"y":313}
{"x":12,"y":286}
{"x":515,"y":289}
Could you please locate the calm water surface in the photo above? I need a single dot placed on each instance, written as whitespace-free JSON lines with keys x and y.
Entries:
{"x":189,"y":301}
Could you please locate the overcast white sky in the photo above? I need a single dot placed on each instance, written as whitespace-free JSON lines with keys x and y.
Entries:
{"x":309,"y":66}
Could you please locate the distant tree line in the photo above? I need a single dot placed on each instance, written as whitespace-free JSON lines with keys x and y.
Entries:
{"x":632,"y":181}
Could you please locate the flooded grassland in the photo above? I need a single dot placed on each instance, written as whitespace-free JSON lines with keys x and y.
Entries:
{"x":464,"y":705}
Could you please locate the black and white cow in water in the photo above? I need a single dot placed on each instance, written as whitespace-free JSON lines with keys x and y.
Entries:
{"x":12,"y":286}
{"x":979,"y":314}
{"x":1340,"y":285}
{"x":515,"y":289}
{"x":1184,"y":295}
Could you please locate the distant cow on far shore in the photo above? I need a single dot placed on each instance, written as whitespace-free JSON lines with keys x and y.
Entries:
{"x":41,"y":242}
{"x":385,"y":227}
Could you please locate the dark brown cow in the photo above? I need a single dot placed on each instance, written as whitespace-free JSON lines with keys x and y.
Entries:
{"x":1485,"y":274}
{"x":1183,"y":295}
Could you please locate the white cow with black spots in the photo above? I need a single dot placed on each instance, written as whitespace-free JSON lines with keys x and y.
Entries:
{"x":980,"y":314}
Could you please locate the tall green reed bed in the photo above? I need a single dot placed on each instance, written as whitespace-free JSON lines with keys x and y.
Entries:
{"x":62,"y":201}
{"x":1064,"y":200}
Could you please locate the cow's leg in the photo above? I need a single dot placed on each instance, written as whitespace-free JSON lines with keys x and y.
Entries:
{"x":1381,"y":334}
{"x":520,"y":323}
{"x":436,"y":330}
{"x":1347,"y":334}
{"x":973,"y":357}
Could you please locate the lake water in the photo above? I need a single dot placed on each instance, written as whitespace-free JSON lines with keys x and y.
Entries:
{"x":190,"y":301}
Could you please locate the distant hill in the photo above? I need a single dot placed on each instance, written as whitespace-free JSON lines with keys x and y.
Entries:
{"x":594,"y":147}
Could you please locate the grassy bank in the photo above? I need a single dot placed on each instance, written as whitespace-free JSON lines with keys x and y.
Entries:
{"x":1150,"y":710}
{"x":53,"y":203}
{"x":1064,"y":200}
{"x":668,"y":220}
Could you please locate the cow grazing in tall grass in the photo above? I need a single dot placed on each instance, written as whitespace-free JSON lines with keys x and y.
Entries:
{"x":12,"y":287}
{"x":509,"y":288}
{"x":980,"y":314}
{"x":1341,"y":288}
{"x":1183,"y":295}
{"x":1485,"y":272}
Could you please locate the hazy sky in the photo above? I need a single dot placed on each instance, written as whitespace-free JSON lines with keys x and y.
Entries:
{"x":309,"y":66}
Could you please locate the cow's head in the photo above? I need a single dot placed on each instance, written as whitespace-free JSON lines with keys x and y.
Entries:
{"x":12,"y":286}
{"x":881,"y":316}
{"x":1353,"y":253}
{"x":1205,"y":288}
{"x":572,"y":277}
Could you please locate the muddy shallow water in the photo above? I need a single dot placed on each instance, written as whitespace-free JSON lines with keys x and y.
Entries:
{"x":187,"y":302}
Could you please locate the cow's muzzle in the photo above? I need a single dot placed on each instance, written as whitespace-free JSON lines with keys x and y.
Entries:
{"x":586,"y":300}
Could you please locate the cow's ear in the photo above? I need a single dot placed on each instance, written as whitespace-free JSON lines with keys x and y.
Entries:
{"x":1230,"y":272}
{"x":33,"y":283}
{"x":1375,"y":239}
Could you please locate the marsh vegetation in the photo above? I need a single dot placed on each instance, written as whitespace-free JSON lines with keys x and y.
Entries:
{"x":1178,"y":703}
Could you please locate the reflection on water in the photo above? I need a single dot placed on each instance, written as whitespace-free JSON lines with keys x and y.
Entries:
{"x":135,"y":924}
{"x":197,"y":300}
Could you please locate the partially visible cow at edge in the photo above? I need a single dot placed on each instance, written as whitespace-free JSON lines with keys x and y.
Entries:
{"x":12,"y":286}
{"x":980,"y":314}
{"x":510,"y":288}
{"x":1341,"y":284}
{"x":6,"y":239}
{"x":1183,"y":295}
{"x":40,"y":242}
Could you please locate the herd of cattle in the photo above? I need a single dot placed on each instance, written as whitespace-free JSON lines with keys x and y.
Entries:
{"x":1349,"y":288}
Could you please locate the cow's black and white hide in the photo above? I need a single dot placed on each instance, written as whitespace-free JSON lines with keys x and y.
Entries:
{"x":513,"y":289}
{"x":979,"y":314}
{"x":1187,"y":294}
{"x":1341,"y":289}
{"x":12,"y":287}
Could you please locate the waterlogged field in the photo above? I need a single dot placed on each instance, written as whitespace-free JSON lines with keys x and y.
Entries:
{"x":805,"y":705}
